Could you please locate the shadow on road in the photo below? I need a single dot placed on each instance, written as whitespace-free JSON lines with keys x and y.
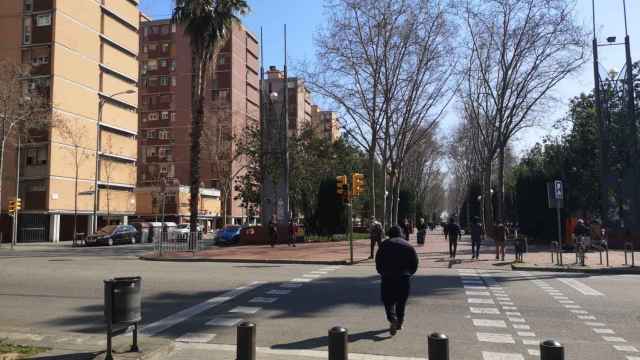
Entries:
{"x":323,"y":341}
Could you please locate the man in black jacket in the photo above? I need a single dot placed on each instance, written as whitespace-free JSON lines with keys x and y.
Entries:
{"x":396,"y":262}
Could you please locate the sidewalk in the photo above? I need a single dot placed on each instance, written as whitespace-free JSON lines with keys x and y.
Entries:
{"x":71,"y":346}
{"x":540,"y":260}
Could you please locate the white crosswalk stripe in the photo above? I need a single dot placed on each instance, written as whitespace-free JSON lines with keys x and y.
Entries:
{"x":486,"y":355}
{"x":496,"y":338}
{"x":489,"y":323}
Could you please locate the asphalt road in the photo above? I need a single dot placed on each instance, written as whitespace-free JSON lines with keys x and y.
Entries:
{"x":489,"y":315}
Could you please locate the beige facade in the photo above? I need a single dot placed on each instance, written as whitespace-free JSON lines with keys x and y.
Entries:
{"x":85,"y":53}
{"x":176,"y":203}
{"x":325,"y":124}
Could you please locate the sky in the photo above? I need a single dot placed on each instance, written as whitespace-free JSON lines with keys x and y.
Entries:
{"x":304,"y":17}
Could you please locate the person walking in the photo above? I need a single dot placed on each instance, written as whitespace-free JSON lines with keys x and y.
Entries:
{"x":375,"y":234}
{"x":396,"y":262}
{"x":292,"y":233}
{"x":407,"y":229}
{"x":273,"y":231}
{"x":422,"y":231}
{"x":477,"y":234}
{"x":500,"y":238}
{"x":445,"y":230}
{"x":453,"y":230}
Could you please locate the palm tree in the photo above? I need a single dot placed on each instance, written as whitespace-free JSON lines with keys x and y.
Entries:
{"x":208,"y":24}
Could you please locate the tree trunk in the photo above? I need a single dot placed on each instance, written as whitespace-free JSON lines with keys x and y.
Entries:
{"x":500,"y":190}
{"x":4,"y":140}
{"x":486,"y":199}
{"x":372,"y":180}
{"x":197,"y":113}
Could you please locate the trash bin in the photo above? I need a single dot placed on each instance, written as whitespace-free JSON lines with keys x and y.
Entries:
{"x":122,"y":307}
{"x":155,"y":231}
{"x":170,"y":229}
{"x":143,"y":230}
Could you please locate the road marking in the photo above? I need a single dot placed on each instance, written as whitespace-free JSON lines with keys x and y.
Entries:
{"x":560,"y":297}
{"x":301,"y":280}
{"x":245,"y":310}
{"x":530,"y":342}
{"x":582,"y":288}
{"x":633,"y":357}
{"x":627,"y":348}
{"x":534,"y":352}
{"x":263,"y":300}
{"x":477,"y":310}
{"x":566,"y":301}
{"x":279,"y":292}
{"x":579,"y":311}
{"x":572,"y":306}
{"x":495,"y":338}
{"x":475,"y":287}
{"x":501,"y":356}
{"x":171,"y":320}
{"x":291,"y":285}
{"x":223,"y":321}
{"x":586,"y":317}
{"x":513,"y":313}
{"x":312,"y":276}
{"x":614,"y":339}
{"x":478,"y":293}
{"x":603,"y":331}
{"x":489,"y":323}
{"x":479,"y":301}
{"x":285,"y":353}
{"x":506,"y":303}
{"x":516,"y":320}
{"x":510,"y":308}
{"x":599,"y":324}
{"x":521,"y":327}
{"x":195,"y":338}
{"x":319,"y":272}
{"x":526,"y":334}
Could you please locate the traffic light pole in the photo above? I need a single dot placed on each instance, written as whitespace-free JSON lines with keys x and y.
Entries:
{"x":350,"y":231}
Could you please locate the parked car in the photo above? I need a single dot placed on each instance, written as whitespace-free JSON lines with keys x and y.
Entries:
{"x":228,"y":235}
{"x":182,"y":231}
{"x":113,"y":234}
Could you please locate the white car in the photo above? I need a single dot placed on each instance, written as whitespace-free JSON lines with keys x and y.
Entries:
{"x":182,"y":230}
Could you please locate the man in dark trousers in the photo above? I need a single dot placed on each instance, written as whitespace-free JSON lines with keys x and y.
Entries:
{"x":375,"y":234}
{"x":453,"y":230}
{"x":477,"y":233}
{"x":396,"y":262}
{"x":273,"y":231}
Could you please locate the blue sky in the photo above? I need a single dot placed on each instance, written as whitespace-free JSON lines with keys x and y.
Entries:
{"x":303,"y":17}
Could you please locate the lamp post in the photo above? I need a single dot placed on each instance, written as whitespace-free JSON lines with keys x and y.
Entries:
{"x":101,"y":102}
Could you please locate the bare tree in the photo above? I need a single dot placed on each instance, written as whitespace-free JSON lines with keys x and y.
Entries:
{"x":108,"y":169}
{"x":518,"y":51}
{"x":24,"y":110}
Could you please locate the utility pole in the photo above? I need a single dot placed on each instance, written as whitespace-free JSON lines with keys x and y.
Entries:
{"x":602,"y":129}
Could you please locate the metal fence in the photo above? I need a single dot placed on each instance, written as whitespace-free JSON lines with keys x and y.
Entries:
{"x":174,"y":242}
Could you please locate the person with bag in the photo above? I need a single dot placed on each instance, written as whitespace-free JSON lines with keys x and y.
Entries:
{"x":375,"y":234}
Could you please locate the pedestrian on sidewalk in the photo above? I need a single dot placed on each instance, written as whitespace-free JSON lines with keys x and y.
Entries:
{"x":292,"y":233}
{"x":453,"y":230}
{"x":500,"y":238}
{"x":273,"y":231}
{"x":375,"y":234}
{"x":407,"y":229}
{"x":396,"y":262}
{"x":477,"y":235}
{"x":422,"y":231}
{"x":445,"y":230}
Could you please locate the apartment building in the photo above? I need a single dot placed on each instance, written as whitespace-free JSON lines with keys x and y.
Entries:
{"x":231,"y":103}
{"x":325,"y":124}
{"x":83,"y":54}
{"x":299,"y":104}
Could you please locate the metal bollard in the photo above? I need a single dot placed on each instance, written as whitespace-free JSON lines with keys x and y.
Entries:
{"x":438,"y":347}
{"x":338,"y":343}
{"x":246,"y":342}
{"x":551,"y":350}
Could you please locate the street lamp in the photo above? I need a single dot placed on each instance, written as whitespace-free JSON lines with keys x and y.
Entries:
{"x":101,"y":103}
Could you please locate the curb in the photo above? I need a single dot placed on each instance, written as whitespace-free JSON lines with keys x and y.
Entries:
{"x":10,"y":356}
{"x":569,"y":269}
{"x":251,"y":261}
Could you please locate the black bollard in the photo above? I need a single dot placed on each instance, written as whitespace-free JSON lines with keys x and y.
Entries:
{"x":551,"y":350}
{"x":338,"y":341}
{"x":246,"y":342}
{"x":438,"y":347}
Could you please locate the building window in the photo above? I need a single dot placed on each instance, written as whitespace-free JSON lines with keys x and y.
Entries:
{"x":173,"y":116}
{"x":173,"y":28}
{"x":43,"y":20}
{"x":173,"y":65}
{"x":165,"y":29}
{"x":164,"y":115}
{"x":151,"y":151}
{"x":39,"y":60}
{"x":163,"y":63}
{"x":151,"y":134}
{"x":163,"y":134}
{"x":164,"y":80}
{"x":165,"y":48}
{"x":221,"y":60}
{"x":153,"y":116}
{"x":152,"y":65}
{"x":26,"y":37}
{"x":145,"y":49}
{"x":146,"y":31}
{"x":173,"y":81}
{"x":152,"y":47}
{"x":28,"y":5}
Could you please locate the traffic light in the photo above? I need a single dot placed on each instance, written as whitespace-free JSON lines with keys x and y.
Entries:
{"x":342,"y":188}
{"x":18,"y":204}
{"x":12,"y":207}
{"x":357,"y":183}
